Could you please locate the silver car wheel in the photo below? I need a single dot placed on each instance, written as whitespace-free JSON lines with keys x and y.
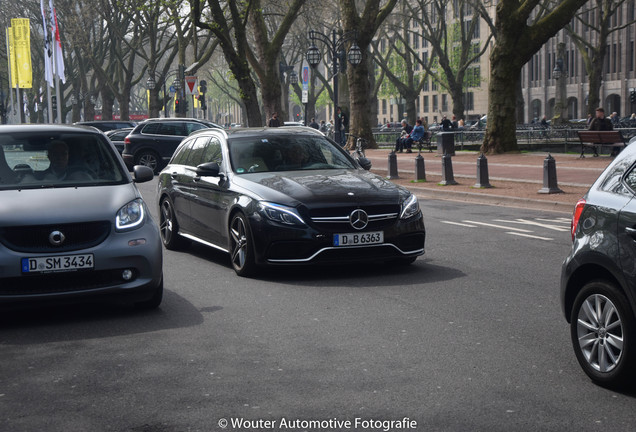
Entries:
{"x":600,"y":333}
{"x":148,"y":159}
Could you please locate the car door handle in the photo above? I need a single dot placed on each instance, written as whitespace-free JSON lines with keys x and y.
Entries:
{"x":631,"y":231}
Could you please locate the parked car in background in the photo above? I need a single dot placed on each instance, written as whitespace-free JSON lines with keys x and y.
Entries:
{"x":117,"y":136}
{"x":106,"y":125}
{"x":390,"y":127}
{"x":290,"y":197}
{"x":153,"y":142}
{"x":73,"y":226}
{"x":598,"y":277}
{"x":481,"y":124}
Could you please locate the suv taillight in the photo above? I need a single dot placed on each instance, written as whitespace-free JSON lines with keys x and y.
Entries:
{"x":126,"y":140}
{"x":580,"y":205}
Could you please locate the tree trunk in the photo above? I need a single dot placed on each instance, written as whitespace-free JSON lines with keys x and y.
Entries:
{"x":501,"y":130}
{"x":359,"y":91}
{"x":595,"y":75}
{"x":107,"y":104}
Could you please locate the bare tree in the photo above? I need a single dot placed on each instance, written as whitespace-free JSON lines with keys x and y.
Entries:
{"x":599,"y":17}
{"x":366,"y":23}
{"x":522,"y":28}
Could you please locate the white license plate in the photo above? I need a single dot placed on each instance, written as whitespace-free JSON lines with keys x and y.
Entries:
{"x":358,"y":239}
{"x":57,"y":263}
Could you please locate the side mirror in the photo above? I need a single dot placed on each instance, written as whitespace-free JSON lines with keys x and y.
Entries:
{"x":364,"y":163}
{"x":142,"y":173}
{"x":208,"y":169}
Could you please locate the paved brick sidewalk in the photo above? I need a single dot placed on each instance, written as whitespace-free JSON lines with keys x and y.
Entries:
{"x":516,"y":178}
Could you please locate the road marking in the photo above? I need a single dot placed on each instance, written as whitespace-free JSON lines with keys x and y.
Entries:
{"x":557,"y":220}
{"x":459,"y":224}
{"x":530,"y":236}
{"x":534,"y":223}
{"x":497,"y":226}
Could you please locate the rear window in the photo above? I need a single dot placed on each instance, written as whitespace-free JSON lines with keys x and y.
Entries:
{"x":31,"y":160}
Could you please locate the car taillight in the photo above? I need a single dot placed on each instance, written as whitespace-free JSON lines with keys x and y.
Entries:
{"x":580,"y":205}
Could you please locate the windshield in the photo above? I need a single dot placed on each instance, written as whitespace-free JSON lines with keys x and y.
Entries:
{"x":285,"y":153}
{"x":32,"y":160}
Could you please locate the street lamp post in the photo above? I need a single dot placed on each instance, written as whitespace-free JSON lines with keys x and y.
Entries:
{"x":336,"y":46}
{"x":560,"y":74}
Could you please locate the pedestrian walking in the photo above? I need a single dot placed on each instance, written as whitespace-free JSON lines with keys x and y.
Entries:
{"x":340,"y":123}
{"x":313,"y":124}
{"x":447,"y":125}
{"x":274,"y":122}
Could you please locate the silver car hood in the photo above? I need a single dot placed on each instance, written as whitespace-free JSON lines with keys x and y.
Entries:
{"x":63,"y":205}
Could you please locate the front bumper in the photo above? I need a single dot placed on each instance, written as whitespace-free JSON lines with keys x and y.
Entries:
{"x":281,"y":245}
{"x":112,"y":258}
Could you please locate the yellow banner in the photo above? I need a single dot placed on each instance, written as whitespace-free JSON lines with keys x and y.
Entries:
{"x":14,"y":72}
{"x":22,"y":51}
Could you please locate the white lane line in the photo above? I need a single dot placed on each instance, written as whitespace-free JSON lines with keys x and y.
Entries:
{"x":530,"y":236}
{"x":557,"y":220}
{"x":459,"y":224}
{"x":533,"y":223}
{"x":497,"y":226}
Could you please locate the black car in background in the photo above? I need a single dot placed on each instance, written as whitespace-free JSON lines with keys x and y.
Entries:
{"x":117,"y":136}
{"x":107,"y":125}
{"x":284,"y":196}
{"x":153,"y":142}
{"x":598,"y":278}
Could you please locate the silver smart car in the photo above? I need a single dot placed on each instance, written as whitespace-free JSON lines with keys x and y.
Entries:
{"x":73,"y":225}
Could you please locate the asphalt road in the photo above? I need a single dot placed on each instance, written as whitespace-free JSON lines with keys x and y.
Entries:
{"x":468,"y":338}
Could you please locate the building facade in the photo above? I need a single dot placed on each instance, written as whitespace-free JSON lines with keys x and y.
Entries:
{"x":538,"y":80}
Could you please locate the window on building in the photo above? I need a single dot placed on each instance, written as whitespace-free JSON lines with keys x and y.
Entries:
{"x":444,"y":102}
{"x":434,"y":85}
{"x":469,"y":101}
{"x":425,"y":85}
{"x":435,"y":105}
{"x":425,"y":104}
{"x":384,"y":106}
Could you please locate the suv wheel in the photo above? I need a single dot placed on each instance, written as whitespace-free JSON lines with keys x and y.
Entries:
{"x":148,"y":158}
{"x":603,"y":334}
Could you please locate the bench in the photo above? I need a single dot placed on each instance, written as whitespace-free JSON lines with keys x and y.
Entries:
{"x":425,"y":141}
{"x":600,"y":138}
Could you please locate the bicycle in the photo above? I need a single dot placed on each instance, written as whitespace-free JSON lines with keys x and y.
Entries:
{"x":361,"y":144}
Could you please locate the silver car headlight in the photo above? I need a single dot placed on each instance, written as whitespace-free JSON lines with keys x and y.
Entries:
{"x":281,"y":214}
{"x":410,"y":207}
{"x":131,"y":215}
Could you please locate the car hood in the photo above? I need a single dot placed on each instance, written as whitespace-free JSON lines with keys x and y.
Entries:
{"x":64,"y":205}
{"x":318,"y":188}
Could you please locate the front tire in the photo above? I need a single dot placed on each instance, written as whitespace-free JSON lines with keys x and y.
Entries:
{"x":168,"y":226}
{"x":603,"y":334}
{"x":241,"y":246}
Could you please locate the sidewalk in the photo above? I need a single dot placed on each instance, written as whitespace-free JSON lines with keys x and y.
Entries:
{"x":516,"y":178}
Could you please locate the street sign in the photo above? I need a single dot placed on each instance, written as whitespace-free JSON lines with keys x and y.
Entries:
{"x":191,"y":85}
{"x":305,"y":98}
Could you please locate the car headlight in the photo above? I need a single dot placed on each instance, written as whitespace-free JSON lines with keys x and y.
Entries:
{"x":281,"y":214}
{"x":131,"y":215}
{"x":410,"y":207}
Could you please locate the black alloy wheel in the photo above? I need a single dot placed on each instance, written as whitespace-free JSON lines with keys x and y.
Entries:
{"x":168,"y":226}
{"x":241,"y":247}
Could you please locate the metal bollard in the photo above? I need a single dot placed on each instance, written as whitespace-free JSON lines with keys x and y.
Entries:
{"x":482,"y":173}
{"x":549,"y":176}
{"x":420,"y":171}
{"x":447,"y":171}
{"x":393,"y":167}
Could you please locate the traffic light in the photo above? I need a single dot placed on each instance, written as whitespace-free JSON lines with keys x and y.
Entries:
{"x":632,"y":96}
{"x":177,"y":106}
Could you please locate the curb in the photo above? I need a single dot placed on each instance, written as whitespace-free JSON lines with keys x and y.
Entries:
{"x":494,"y":200}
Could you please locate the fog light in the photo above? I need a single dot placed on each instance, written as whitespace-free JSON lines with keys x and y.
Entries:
{"x":127,"y":274}
{"x":137,"y":242}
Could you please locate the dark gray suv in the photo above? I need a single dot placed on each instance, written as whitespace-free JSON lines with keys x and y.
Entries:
{"x":598,"y":280}
{"x":153,"y":142}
